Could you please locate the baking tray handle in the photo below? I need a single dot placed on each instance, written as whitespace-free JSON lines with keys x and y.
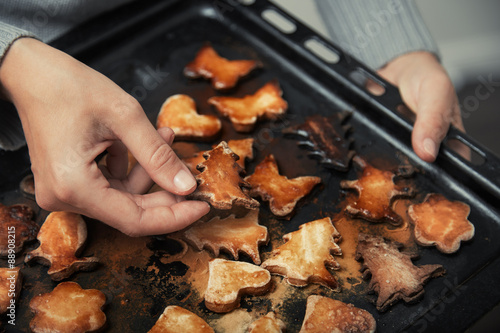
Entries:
{"x":295,"y":34}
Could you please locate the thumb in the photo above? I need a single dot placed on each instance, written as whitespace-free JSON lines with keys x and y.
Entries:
{"x":436,"y":103}
{"x":153,"y":153}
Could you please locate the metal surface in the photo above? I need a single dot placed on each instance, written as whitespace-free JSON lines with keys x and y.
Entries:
{"x":144,"y":47}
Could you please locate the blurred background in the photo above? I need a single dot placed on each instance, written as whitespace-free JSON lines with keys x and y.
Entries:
{"x":468,"y":36}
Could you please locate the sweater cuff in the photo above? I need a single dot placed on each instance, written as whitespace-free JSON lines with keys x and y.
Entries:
{"x":9,"y":34}
{"x":11,"y":131}
{"x":376,"y":31}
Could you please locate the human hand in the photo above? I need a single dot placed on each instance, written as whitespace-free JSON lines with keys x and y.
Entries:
{"x":428,"y":91}
{"x":71,"y":114}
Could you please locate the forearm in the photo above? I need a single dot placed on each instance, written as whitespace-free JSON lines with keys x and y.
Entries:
{"x":376,"y":31}
{"x":11,"y":133}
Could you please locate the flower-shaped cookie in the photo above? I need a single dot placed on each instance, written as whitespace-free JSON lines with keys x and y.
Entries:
{"x":68,"y":308}
{"x":441,"y":222}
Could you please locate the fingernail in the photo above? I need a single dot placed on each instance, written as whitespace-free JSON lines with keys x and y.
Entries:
{"x":184,"y":181}
{"x":430,"y":147}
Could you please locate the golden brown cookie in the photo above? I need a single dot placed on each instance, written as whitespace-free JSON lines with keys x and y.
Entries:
{"x":68,"y":308}
{"x":376,"y":194}
{"x":228,"y":281}
{"x":224,"y":73}
{"x":62,"y":237}
{"x":175,"y":319}
{"x":16,"y":228}
{"x":220,"y":183}
{"x":179,"y":113}
{"x":243,"y":148}
{"x":281,"y":192}
{"x":306,"y":254}
{"x":324,"y":314}
{"x":244,"y":112}
{"x":393,"y":275}
{"x":231,"y":234}
{"x":441,"y":222}
{"x":267,"y":324}
{"x":10,"y":289}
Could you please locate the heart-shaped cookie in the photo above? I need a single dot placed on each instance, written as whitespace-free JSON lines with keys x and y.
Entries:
{"x":229,"y":280}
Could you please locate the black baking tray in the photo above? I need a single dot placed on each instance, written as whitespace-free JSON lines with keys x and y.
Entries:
{"x":144,"y":47}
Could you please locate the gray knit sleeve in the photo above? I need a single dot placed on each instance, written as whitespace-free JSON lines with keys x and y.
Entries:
{"x":376,"y":31}
{"x":11,"y":132}
{"x":8,"y":34}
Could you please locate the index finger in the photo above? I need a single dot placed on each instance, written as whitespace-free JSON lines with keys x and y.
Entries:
{"x":132,"y":214}
{"x":135,"y":130}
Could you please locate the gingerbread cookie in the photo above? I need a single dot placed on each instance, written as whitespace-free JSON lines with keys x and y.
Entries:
{"x":62,"y":237}
{"x":242,"y":148}
{"x":393,"y":275}
{"x":68,"y":308}
{"x":16,"y":228}
{"x":324,"y":314}
{"x":325,"y":138}
{"x":267,"y":324}
{"x":306,"y":253}
{"x":231,"y":234}
{"x":223,"y":73}
{"x":228,"y":281}
{"x":175,"y":319}
{"x":376,"y":194}
{"x":244,"y":112}
{"x":179,"y":113}
{"x":441,"y":222}
{"x":220,"y":183}
{"x":281,"y":192}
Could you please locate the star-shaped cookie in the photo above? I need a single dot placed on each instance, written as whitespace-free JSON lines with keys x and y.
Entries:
{"x":393,"y":274}
{"x":441,"y":222}
{"x":244,"y":112}
{"x":376,"y":194}
{"x":179,"y":113}
{"x":281,"y":192}
{"x":223,"y":73}
{"x":306,"y":254}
